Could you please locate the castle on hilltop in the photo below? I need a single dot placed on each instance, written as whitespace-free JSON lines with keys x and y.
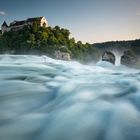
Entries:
{"x":18,"y":25}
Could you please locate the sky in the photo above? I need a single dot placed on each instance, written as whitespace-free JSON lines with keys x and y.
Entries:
{"x":88,"y":20}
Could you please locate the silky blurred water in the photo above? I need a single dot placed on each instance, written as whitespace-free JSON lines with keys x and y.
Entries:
{"x":46,"y":99}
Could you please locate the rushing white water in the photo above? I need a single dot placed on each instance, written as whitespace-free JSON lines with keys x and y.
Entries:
{"x":118,"y":56}
{"x":46,"y":99}
{"x":118,"y":60}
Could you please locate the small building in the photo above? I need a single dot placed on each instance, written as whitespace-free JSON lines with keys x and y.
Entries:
{"x":18,"y":25}
{"x":4,"y":27}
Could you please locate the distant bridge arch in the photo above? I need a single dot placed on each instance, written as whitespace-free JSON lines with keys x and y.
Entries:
{"x":116,"y":48}
{"x":112,"y":56}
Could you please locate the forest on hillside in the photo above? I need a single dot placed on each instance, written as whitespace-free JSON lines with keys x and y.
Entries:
{"x":46,"y":40}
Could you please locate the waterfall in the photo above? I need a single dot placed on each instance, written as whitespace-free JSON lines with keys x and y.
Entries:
{"x":118,"y":58}
{"x":46,"y":99}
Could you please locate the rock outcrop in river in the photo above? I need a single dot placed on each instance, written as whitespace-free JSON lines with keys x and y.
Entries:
{"x":130,"y":59}
{"x":62,"y":55}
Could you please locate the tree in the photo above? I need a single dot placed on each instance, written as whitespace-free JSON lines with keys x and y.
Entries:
{"x":31,"y":40}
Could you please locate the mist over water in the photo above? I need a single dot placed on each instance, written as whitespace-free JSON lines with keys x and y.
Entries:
{"x":46,"y":99}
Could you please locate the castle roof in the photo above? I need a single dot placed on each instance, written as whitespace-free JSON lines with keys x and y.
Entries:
{"x":22,"y":22}
{"x":4,"y":24}
{"x":17,"y":23}
{"x":33,"y":19}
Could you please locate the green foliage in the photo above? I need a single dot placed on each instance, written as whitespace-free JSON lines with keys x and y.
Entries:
{"x":45,"y":40}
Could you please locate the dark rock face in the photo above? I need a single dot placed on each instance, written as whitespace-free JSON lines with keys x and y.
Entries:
{"x":109,"y":57}
{"x":62,"y":55}
{"x":130,"y":59}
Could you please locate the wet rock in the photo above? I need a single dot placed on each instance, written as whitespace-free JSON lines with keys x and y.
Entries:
{"x":62,"y":55}
{"x":130,"y":59}
{"x":109,"y":57}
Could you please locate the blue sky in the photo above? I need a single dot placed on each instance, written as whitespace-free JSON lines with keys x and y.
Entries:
{"x":88,"y":20}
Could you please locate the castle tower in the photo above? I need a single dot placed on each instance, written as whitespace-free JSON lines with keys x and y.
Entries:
{"x":4,"y":27}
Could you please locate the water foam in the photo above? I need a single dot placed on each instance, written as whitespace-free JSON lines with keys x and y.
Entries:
{"x":42,"y":98}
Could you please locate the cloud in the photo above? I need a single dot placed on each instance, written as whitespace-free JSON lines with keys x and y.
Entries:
{"x":2,"y":13}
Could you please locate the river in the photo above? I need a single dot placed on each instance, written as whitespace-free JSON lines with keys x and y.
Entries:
{"x":46,"y":99}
